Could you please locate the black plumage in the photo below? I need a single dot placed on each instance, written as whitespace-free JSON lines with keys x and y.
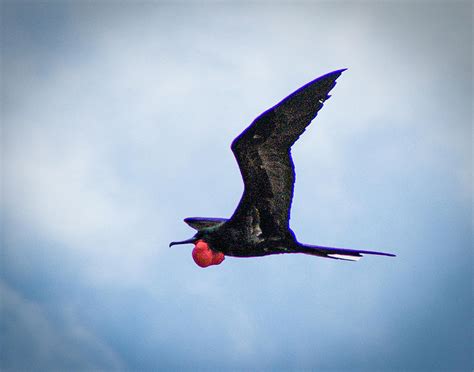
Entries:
{"x":260,"y":223}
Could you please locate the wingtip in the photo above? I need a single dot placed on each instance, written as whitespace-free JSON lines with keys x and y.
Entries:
{"x":333,"y":75}
{"x":378,"y":253}
{"x":339,"y":72}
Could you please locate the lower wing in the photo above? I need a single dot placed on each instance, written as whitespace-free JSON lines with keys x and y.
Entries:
{"x":338,"y":253}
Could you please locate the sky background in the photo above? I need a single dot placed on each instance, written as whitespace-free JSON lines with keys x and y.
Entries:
{"x":116,"y":124}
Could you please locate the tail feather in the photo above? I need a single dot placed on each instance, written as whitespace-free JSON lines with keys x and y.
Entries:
{"x":338,"y":253}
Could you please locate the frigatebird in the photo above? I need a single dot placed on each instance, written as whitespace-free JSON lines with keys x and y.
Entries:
{"x":260,"y":223}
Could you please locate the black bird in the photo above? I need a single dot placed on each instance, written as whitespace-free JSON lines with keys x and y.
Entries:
{"x":260,"y":224}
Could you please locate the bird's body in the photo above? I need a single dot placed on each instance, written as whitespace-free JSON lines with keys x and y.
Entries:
{"x":260,"y":223}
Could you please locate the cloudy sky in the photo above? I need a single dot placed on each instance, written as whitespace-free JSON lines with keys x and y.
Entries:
{"x":116,"y":124}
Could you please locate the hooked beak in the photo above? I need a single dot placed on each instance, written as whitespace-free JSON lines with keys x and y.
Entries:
{"x":188,"y":241}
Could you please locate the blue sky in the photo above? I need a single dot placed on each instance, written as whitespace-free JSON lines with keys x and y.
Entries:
{"x":116,"y":124}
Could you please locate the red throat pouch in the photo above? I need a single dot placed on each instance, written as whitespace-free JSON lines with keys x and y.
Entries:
{"x":205,"y":256}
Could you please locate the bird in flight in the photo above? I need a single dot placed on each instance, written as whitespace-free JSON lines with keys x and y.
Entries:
{"x":260,"y":223}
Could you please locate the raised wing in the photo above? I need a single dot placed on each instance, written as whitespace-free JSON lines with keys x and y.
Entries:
{"x":263,"y":154}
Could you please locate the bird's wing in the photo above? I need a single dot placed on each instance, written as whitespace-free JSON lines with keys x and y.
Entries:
{"x":263,"y":154}
{"x":338,"y":253}
{"x":199,"y":223}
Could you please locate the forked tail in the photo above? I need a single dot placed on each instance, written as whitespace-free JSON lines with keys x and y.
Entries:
{"x":337,"y":253}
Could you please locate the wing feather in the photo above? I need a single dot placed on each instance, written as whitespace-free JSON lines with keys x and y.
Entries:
{"x":263,"y":152}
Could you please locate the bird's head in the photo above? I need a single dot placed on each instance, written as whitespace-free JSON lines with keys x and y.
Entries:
{"x":203,"y":254}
